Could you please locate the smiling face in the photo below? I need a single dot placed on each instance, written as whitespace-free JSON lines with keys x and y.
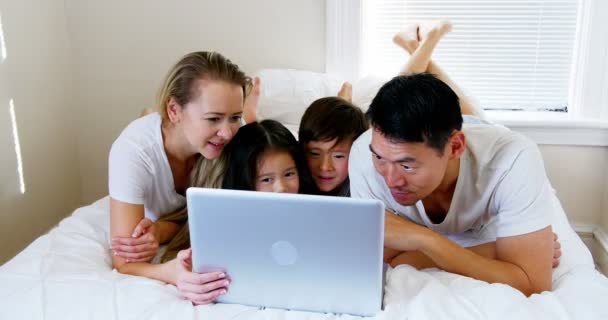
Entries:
{"x":412,"y":171}
{"x":277,"y":172}
{"x":328,"y":163}
{"x":210,"y":120}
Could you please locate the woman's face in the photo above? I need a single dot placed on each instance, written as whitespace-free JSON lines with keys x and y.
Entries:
{"x":277,"y":172}
{"x":210,"y":120}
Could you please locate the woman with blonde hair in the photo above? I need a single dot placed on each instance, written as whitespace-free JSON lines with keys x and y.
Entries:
{"x":151,"y":164}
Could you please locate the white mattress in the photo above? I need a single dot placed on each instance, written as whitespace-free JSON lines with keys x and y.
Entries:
{"x":66,"y":274}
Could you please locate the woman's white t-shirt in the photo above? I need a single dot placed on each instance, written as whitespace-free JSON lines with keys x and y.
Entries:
{"x":139,"y":171}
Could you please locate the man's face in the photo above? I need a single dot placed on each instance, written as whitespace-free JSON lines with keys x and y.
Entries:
{"x":412,"y":171}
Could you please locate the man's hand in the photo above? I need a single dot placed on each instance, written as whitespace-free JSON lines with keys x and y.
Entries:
{"x":523,"y":261}
{"x":401,"y":234}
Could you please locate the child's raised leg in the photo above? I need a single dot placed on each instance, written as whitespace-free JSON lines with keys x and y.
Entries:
{"x":346,"y":92}
{"x":250,"y":107}
{"x":408,"y":40}
{"x":422,"y":39}
{"x":420,"y":59}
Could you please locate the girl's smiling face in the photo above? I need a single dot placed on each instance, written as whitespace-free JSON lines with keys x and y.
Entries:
{"x":277,"y":172}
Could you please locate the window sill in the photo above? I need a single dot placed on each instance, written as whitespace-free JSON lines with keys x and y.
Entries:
{"x":554,"y":128}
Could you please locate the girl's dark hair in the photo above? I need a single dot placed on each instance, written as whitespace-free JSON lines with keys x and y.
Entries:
{"x":250,"y":142}
{"x":331,"y":118}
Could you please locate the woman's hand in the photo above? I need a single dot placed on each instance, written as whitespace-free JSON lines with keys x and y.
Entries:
{"x":143,"y":244}
{"x":199,"y":288}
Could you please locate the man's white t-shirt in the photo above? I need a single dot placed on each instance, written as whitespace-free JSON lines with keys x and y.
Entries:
{"x":502,"y":188}
{"x":139,"y":171}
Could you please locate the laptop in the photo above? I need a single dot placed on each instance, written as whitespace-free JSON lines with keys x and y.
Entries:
{"x":290,"y":251}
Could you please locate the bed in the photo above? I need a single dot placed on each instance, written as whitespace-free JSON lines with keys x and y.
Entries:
{"x":67,"y":274}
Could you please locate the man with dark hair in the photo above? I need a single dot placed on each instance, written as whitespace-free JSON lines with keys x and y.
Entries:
{"x":469,"y":198}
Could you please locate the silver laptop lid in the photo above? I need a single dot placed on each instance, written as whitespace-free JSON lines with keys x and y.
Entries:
{"x":291,"y":251}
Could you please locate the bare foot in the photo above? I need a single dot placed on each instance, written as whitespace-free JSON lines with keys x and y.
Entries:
{"x":407,"y":39}
{"x":346,"y":92}
{"x":145,"y":112}
{"x":434,"y":28}
{"x":250,"y":107}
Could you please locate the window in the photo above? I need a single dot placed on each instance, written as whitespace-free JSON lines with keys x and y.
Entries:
{"x":528,"y":55}
{"x":510,"y":54}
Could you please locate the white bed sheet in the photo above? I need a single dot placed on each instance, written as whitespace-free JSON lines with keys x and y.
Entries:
{"x":66,"y":274}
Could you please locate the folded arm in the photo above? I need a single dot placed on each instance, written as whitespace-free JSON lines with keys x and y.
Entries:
{"x":523,"y":262}
{"x":134,"y":238}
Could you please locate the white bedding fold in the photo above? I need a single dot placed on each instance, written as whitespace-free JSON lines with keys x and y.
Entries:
{"x":66,"y":274}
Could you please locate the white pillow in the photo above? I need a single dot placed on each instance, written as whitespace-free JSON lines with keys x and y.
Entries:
{"x":365,"y":89}
{"x":286,"y":93}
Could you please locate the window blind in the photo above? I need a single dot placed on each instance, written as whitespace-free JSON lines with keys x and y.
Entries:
{"x":508,"y":54}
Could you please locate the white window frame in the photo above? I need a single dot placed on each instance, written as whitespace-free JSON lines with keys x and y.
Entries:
{"x":585,"y":123}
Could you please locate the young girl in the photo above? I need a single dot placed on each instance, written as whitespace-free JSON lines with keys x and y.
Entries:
{"x":200,"y":106}
{"x":265,"y":156}
{"x":262,"y":156}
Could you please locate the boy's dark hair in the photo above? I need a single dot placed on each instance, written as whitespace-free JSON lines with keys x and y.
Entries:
{"x":250,"y":142}
{"x":416,"y":108}
{"x":331,"y":118}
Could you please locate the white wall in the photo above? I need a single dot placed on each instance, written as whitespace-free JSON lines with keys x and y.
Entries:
{"x":36,"y":76}
{"x":122,"y":50}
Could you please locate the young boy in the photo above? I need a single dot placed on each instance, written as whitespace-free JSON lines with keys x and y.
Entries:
{"x":328,"y":129}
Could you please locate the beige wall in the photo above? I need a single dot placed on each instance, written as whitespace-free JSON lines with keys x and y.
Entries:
{"x":122,"y":49}
{"x":36,"y":76}
{"x":579,"y":176}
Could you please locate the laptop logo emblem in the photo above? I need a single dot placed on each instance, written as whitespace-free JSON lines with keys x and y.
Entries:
{"x":284,"y":253}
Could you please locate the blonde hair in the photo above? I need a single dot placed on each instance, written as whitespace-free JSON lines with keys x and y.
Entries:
{"x":206,"y":174}
{"x":180,"y":84}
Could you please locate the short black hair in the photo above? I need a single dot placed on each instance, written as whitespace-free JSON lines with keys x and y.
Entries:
{"x":249,"y":143}
{"x":331,"y":118}
{"x":416,"y":108}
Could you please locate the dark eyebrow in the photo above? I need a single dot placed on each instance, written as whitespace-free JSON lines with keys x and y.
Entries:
{"x":372,"y":150}
{"x":406,"y":159}
{"x":266,"y":174}
{"x":219,"y":114}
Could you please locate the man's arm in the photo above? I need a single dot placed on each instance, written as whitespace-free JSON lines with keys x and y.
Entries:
{"x":523,"y":262}
{"x":420,"y":261}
